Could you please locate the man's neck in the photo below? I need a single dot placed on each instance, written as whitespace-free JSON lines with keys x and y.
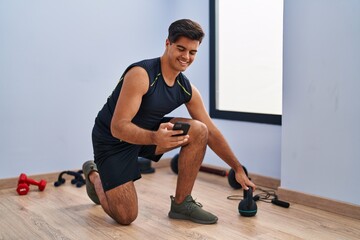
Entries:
{"x":168,"y":73}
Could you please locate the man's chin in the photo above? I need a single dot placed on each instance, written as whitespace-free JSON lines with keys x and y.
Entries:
{"x":183,"y":68}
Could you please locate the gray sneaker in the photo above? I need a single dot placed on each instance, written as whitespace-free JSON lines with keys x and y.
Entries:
{"x":190,"y":210}
{"x":88,"y":167}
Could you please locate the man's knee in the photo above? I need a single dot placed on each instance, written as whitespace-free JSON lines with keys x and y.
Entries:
{"x":199,"y":132}
{"x":122,"y":213}
{"x":123,"y":204}
{"x":125,"y":218}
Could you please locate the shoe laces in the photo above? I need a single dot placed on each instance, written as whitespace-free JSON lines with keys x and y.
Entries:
{"x":190,"y":203}
{"x":193,"y":204}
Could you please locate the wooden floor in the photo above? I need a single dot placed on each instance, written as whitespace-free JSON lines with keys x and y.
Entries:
{"x":67,"y":213}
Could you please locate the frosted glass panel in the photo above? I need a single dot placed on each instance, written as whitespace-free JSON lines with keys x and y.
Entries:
{"x":248,"y":56}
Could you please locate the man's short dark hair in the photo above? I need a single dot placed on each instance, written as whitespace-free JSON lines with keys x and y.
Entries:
{"x":185,"y":28}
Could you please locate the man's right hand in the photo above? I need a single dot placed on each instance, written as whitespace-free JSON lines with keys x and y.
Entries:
{"x":164,"y":138}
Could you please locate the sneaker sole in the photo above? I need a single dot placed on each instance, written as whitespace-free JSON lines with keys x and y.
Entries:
{"x":88,"y":167}
{"x":185,"y":217}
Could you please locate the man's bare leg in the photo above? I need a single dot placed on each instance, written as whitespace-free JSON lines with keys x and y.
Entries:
{"x":120,"y":203}
{"x":191,"y":155}
{"x":190,"y":159}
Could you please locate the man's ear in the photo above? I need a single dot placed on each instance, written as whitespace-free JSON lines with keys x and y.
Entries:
{"x":167,"y":42}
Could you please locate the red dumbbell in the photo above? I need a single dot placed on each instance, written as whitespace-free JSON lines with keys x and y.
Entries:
{"x":22,"y":189}
{"x":24,"y":182}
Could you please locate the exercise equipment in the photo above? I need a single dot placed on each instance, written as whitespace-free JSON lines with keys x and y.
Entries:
{"x":174,"y":167}
{"x":270,"y":196}
{"x":280,"y":203}
{"x":174,"y":164}
{"x":22,"y":189}
{"x":247,"y":207}
{"x":78,"y":180}
{"x":232,"y":179}
{"x":24,"y":184}
{"x":145,"y":165}
{"x":230,"y":175}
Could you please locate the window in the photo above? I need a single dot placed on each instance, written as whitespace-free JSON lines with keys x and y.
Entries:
{"x":246,"y":60}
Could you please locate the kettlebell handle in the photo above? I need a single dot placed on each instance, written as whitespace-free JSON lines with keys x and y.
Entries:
{"x":249,"y":196}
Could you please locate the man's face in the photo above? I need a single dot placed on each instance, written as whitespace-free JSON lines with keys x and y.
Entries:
{"x":181,"y":53}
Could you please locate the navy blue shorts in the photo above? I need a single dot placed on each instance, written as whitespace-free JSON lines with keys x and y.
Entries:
{"x":118,"y":162}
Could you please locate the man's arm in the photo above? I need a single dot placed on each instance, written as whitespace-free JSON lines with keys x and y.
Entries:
{"x":216,"y":140}
{"x":135,"y":85}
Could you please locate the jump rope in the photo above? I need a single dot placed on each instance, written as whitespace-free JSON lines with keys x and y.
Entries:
{"x":268,"y":196}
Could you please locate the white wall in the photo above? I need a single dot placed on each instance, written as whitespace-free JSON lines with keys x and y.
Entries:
{"x":60,"y":60}
{"x":321,"y":109}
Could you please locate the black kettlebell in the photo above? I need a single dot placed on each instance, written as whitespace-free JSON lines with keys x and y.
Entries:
{"x":174,"y":164}
{"x":247,"y":206}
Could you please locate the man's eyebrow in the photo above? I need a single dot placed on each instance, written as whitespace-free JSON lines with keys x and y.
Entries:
{"x":180,"y":46}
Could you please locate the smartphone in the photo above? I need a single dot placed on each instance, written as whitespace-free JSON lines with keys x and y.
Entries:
{"x":181,"y":126}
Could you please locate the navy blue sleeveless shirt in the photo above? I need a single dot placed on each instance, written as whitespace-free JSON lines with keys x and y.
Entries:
{"x":159,"y":100}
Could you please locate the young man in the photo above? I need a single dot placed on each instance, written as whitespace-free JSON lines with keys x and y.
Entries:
{"x":132,"y":124}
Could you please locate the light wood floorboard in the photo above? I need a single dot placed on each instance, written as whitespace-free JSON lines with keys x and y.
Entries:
{"x":66,"y":212}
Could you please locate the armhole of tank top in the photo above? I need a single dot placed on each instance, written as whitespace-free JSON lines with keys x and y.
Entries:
{"x":185,"y":85}
{"x":132,"y":66}
{"x":190,"y":96}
